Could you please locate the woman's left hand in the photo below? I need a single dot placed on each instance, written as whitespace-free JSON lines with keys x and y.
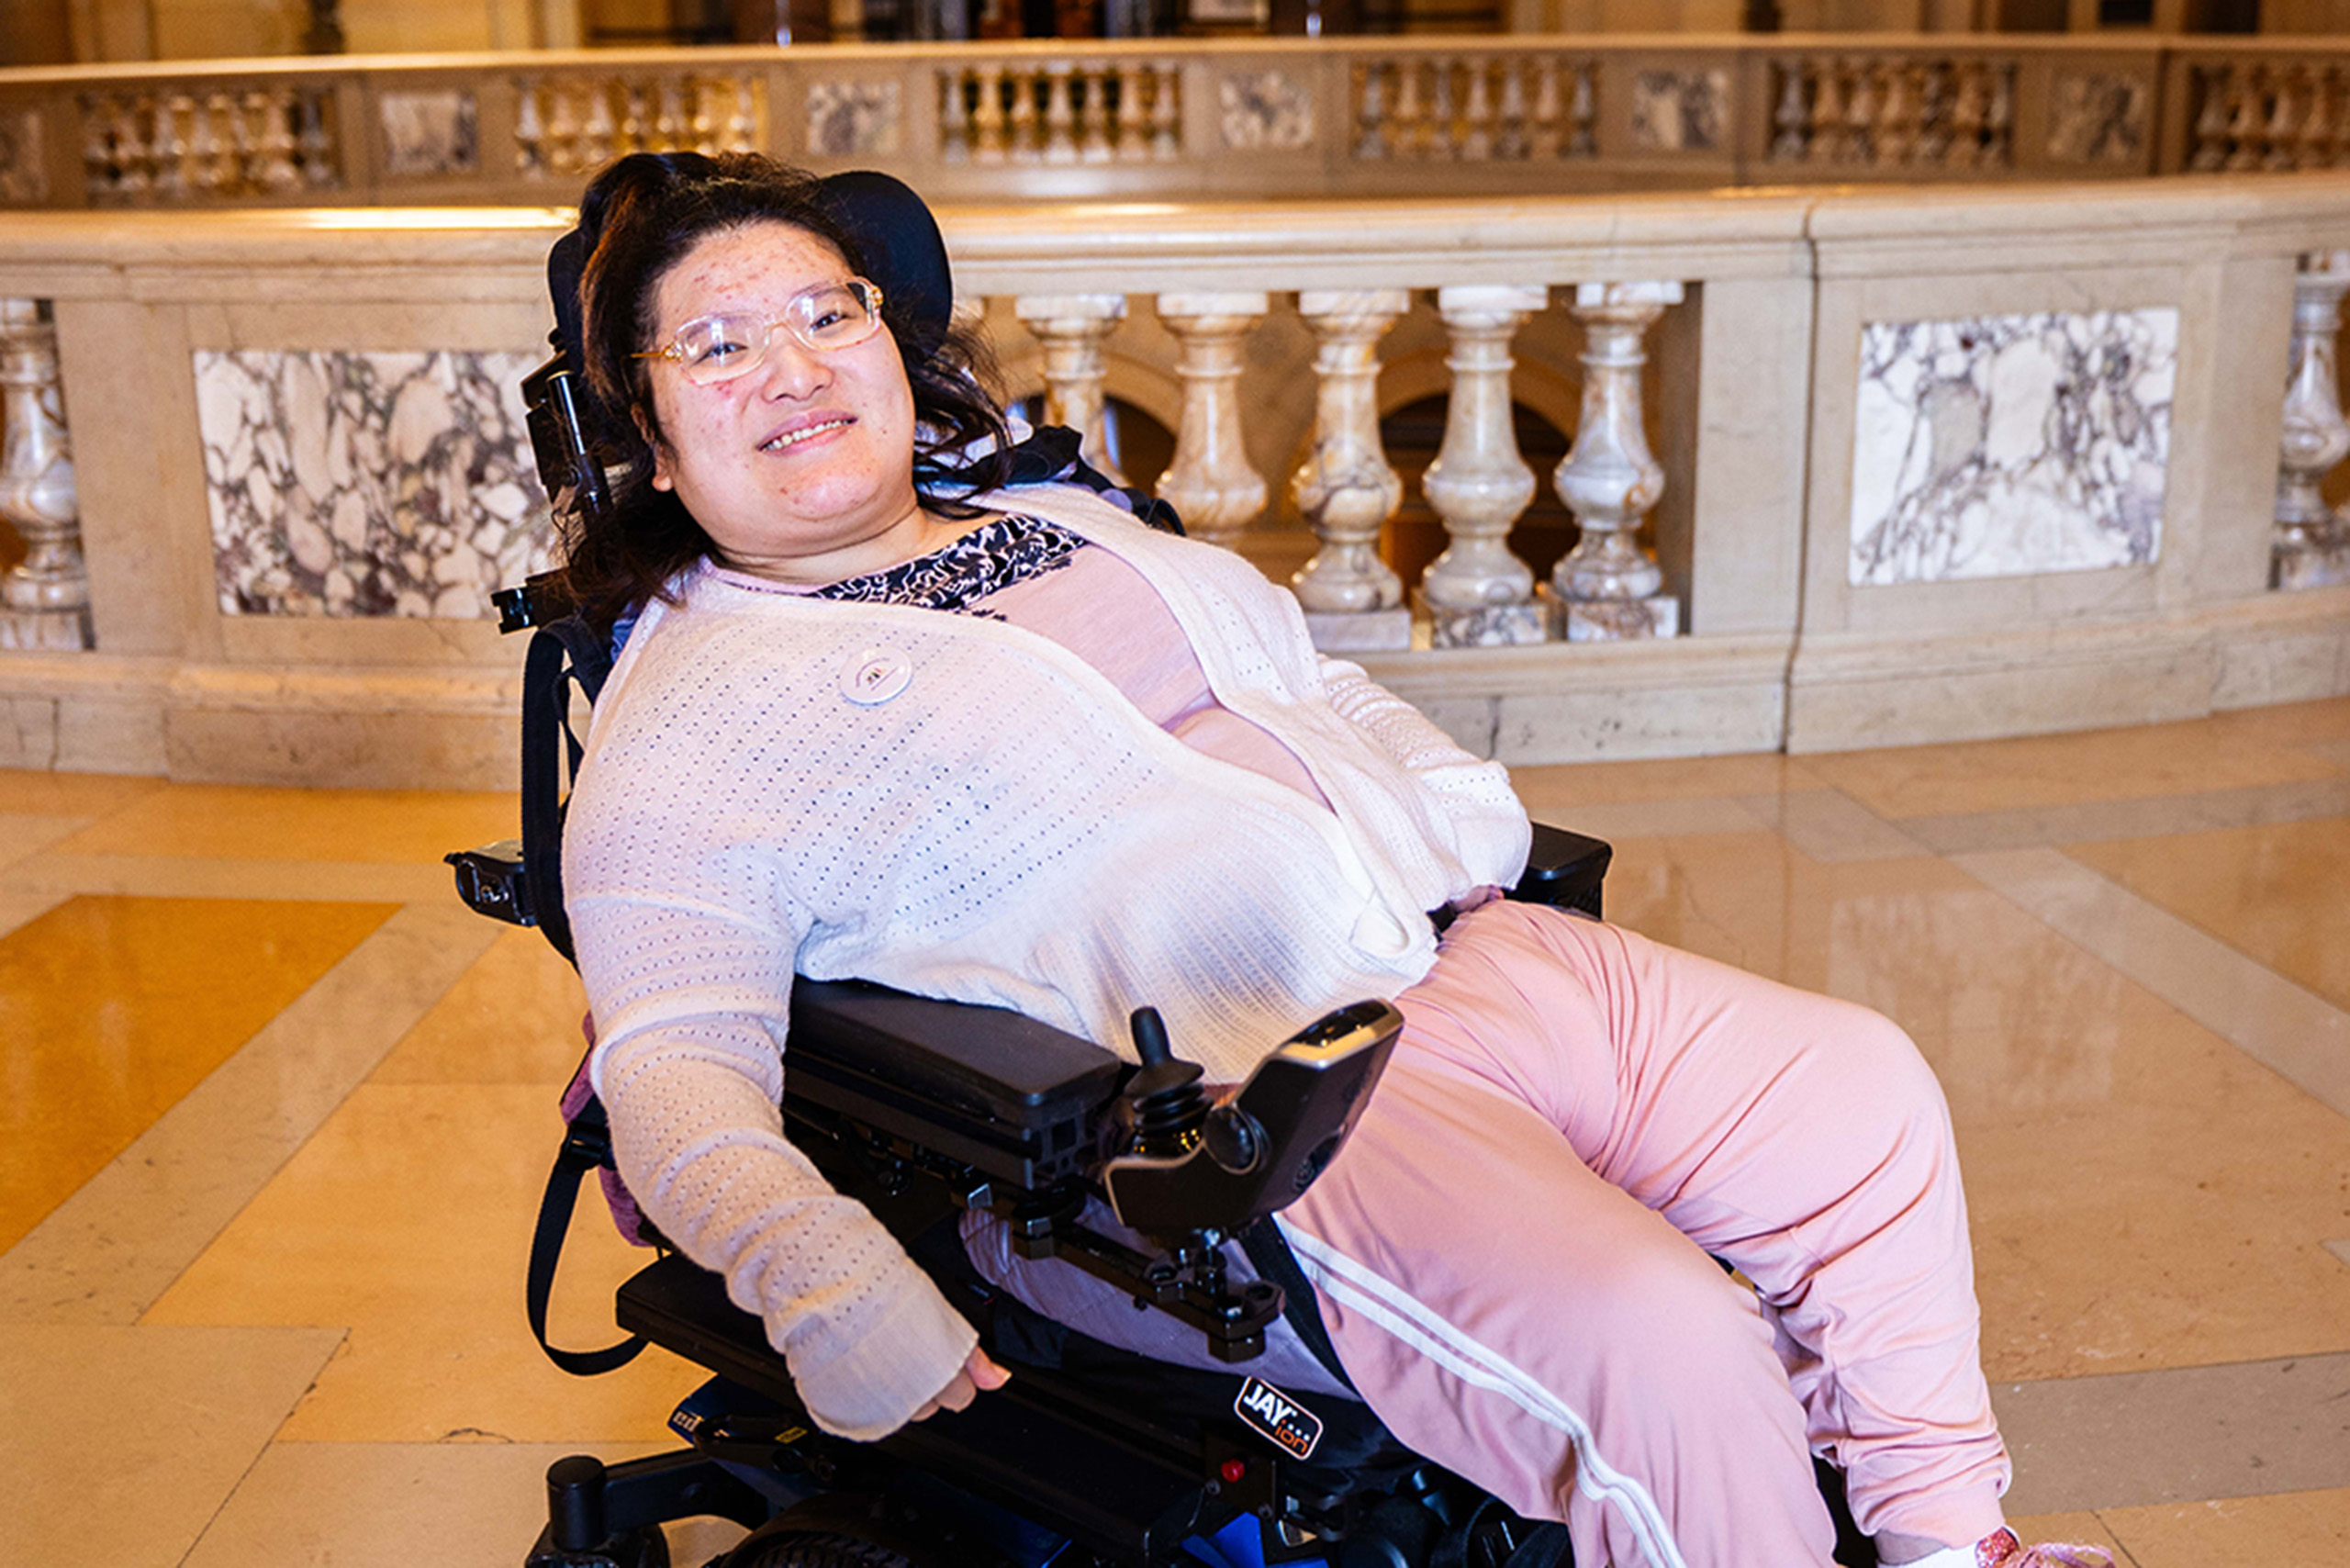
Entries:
{"x":978,"y":1374}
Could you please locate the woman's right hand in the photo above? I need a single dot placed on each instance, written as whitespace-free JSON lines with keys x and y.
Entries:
{"x":978,"y":1374}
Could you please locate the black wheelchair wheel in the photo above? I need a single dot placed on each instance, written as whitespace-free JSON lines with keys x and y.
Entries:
{"x":820,"y":1550}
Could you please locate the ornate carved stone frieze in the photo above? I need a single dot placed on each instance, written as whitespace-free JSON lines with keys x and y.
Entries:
{"x":45,"y":599}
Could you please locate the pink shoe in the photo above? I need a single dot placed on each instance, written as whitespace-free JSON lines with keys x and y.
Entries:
{"x":2004,"y":1551}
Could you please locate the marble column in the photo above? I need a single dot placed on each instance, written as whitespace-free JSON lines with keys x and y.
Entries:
{"x":1344,"y":491}
{"x":45,"y":601}
{"x":1210,"y":482}
{"x":1071,"y":327}
{"x":2312,"y":544}
{"x":1479,"y":594}
{"x":1606,"y":587}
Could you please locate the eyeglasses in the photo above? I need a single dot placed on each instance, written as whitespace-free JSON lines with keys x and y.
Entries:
{"x":718,"y":348}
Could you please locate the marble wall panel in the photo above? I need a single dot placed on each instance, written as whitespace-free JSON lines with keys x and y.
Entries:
{"x":1680,"y":111}
{"x":852,"y":119}
{"x":1266,"y":109}
{"x":24,"y":169}
{"x":368,"y":483}
{"x":2009,"y":445}
{"x":428,"y":133}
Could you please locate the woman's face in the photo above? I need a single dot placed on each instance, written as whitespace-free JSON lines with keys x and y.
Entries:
{"x":803,"y":468}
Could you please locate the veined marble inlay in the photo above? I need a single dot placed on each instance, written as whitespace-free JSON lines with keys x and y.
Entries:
{"x":849,"y":120}
{"x":430,"y":133}
{"x":2006,"y":445}
{"x":1266,"y":109}
{"x":23,"y":171}
{"x":1680,"y":111}
{"x":353,"y":483}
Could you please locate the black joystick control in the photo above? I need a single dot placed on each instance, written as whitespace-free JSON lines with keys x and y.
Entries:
{"x":1164,"y":1097}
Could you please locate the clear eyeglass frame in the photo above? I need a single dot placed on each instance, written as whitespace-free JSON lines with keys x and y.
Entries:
{"x":826,"y":319}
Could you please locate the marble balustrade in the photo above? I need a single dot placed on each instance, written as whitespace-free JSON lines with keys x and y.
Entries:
{"x":1851,"y":468}
{"x":1186,"y":119}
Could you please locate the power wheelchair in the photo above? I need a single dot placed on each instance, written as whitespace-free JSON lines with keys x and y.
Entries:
{"x":1092,"y":1457}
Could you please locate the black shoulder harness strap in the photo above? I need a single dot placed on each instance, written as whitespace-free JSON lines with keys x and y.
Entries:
{"x":562,"y":653}
{"x":586,"y":1145}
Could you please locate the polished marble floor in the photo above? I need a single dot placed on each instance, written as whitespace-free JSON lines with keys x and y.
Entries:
{"x":277,"y":1110}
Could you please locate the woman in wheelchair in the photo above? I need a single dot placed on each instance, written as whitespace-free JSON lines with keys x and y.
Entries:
{"x":900,"y":699}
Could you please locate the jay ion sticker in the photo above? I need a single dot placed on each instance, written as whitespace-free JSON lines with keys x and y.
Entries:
{"x":1291,"y":1428}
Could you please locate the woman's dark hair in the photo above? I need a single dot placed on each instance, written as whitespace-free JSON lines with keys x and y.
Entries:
{"x":637,"y":220}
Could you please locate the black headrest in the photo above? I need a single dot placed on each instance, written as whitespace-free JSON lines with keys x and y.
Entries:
{"x":902,"y":248}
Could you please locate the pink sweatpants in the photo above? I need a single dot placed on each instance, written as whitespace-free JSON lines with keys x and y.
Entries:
{"x":1511,"y":1252}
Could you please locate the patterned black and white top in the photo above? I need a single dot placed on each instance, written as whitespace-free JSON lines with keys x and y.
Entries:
{"x":990,"y":558}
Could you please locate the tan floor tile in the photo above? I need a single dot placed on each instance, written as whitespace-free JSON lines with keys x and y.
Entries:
{"x":2048,"y":770}
{"x":2291,"y":1529}
{"x":128,"y":1441}
{"x":2180,"y":1220}
{"x":176,"y":876}
{"x":231,"y":822}
{"x":85,"y":1080}
{"x":71,"y":794}
{"x":401,"y":1505}
{"x":23,"y":834}
{"x":2287,"y":723}
{"x":2279,"y":893}
{"x":20,"y":910}
{"x":513,"y":1018}
{"x":407,"y":1219}
{"x":1565,"y":786}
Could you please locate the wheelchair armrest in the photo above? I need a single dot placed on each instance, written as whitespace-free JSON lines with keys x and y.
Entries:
{"x":1017,"y":1101}
{"x":1564,"y":870}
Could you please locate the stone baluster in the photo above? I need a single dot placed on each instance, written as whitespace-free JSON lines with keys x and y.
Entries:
{"x":45,"y":599}
{"x":562,"y":137}
{"x":1897,"y":138}
{"x":1861,"y":115}
{"x":135,"y":132}
{"x":597,"y":126}
{"x":1479,"y":594}
{"x":670,"y":122}
{"x":1477,"y":114}
{"x":1999,"y":119}
{"x":636,"y":134}
{"x":1133,"y":113}
{"x":1210,"y":482}
{"x":1583,"y":113}
{"x":278,"y":170}
{"x":1061,"y":116}
{"x":954,"y":118}
{"x":1790,"y":121}
{"x":1933,"y":116}
{"x":1094,"y":125}
{"x":987,"y":116}
{"x":98,"y":167}
{"x":1344,"y":491}
{"x":1608,"y":588}
{"x":1828,"y":138}
{"x":2315,"y":148}
{"x":2284,"y":127}
{"x":2246,"y":119}
{"x":1071,"y":327}
{"x":1411,"y":114}
{"x":530,"y":132}
{"x":1548,"y":136}
{"x":2209,"y":152}
{"x":1444,"y":113}
{"x":703,"y":122}
{"x":315,"y":143}
{"x":1370,"y":111}
{"x":171,"y":148}
{"x":206,"y":150}
{"x":2312,"y":546}
{"x":1024,"y":146}
{"x":1969,"y":109}
{"x":1511,"y":142}
{"x":743,"y":124}
{"x":1167,"y":112}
